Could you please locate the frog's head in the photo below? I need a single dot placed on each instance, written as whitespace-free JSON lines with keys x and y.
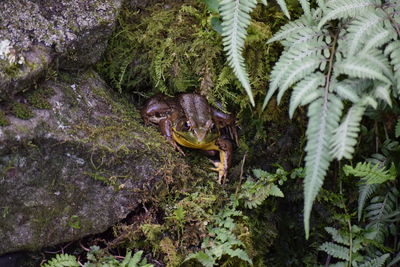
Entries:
{"x":196,"y":134}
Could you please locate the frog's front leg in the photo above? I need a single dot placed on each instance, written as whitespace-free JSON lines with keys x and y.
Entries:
{"x":166,"y":131}
{"x":225,"y":156}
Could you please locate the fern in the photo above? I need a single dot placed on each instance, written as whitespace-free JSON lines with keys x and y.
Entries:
{"x":323,"y":117}
{"x":345,"y":136}
{"x":236,"y":19}
{"x":62,"y":260}
{"x":370,"y":174}
{"x":345,"y":9}
{"x":335,"y":250}
{"x":377,"y":262}
{"x":357,"y":60}
{"x":306,"y":91}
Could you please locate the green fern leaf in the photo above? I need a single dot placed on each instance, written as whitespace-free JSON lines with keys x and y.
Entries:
{"x":349,"y":89}
{"x":345,"y":9}
{"x":359,"y":31}
{"x":62,"y":260}
{"x":291,"y":28}
{"x":335,"y":250}
{"x":264,"y":2}
{"x":377,"y":262}
{"x":283,"y":7}
{"x":371,"y":175}
{"x":323,"y":117}
{"x":345,"y":136}
{"x":360,"y":68}
{"x":377,"y":38}
{"x":297,"y":71}
{"x":393,"y":49}
{"x":336,"y":236}
{"x":305,"y":5}
{"x":306,"y":91}
{"x":382,"y":91}
{"x":365,"y":191}
{"x":377,"y":59}
{"x":236,"y":19}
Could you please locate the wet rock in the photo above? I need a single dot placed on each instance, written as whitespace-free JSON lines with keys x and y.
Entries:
{"x":77,"y":168}
{"x":72,"y":34}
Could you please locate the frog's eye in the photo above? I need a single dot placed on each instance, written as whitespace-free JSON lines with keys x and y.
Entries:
{"x":186,"y":126}
{"x":213,"y":128}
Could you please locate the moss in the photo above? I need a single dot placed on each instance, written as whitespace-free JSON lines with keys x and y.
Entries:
{"x":38,"y":98}
{"x":3,"y":119}
{"x":21,"y":111}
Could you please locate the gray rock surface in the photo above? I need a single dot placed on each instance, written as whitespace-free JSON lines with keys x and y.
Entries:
{"x":77,"y":168}
{"x":35,"y":33}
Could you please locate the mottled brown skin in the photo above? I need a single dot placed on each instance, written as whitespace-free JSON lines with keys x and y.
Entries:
{"x":188,"y":120}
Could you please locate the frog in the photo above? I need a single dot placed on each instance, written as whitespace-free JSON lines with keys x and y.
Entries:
{"x":188,"y":120}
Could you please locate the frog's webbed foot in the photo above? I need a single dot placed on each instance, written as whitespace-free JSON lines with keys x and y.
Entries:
{"x":222,"y":170}
{"x":176,"y":146}
{"x":225,"y":155}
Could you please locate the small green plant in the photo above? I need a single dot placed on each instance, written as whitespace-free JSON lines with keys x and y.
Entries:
{"x":222,"y":240}
{"x":61,"y":260}
{"x":368,"y":242}
{"x":97,"y":257}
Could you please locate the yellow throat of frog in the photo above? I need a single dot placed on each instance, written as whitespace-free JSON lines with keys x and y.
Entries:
{"x":190,"y":140}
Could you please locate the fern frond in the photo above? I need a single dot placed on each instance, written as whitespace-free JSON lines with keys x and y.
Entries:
{"x":359,"y":30}
{"x":377,"y":59}
{"x":336,"y":236}
{"x":377,"y":38}
{"x":345,"y":9}
{"x":235,"y":20}
{"x":393,"y":49}
{"x":298,"y":71}
{"x":335,"y":250}
{"x":360,"y":68}
{"x":61,"y":260}
{"x":323,"y":117}
{"x":288,"y":71}
{"x":370,"y":174}
{"x":306,"y":91}
{"x":382,"y":91}
{"x":283,"y":7}
{"x":305,"y":5}
{"x":348,"y":89}
{"x":345,"y":136}
{"x":377,"y":262}
{"x":365,"y":191}
{"x":293,"y":27}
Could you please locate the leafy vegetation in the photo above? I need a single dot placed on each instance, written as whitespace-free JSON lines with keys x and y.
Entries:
{"x":337,"y":76}
{"x":341,"y":52}
{"x":96,"y":257}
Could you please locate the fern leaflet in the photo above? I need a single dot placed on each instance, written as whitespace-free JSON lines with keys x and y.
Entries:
{"x":324,"y":116}
{"x":236,"y":19}
{"x":344,"y":9}
{"x":345,"y":136}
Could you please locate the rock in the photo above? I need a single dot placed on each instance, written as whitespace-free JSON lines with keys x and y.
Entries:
{"x":77,"y":168}
{"x":72,"y":34}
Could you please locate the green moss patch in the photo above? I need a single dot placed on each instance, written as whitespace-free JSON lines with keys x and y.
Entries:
{"x":39,"y":98}
{"x":21,"y":111}
{"x":3,"y":119}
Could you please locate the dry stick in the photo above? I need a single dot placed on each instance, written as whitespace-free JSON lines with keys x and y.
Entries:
{"x":241,"y":175}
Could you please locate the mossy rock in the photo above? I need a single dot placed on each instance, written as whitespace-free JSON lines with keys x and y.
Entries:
{"x":79,"y":167}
